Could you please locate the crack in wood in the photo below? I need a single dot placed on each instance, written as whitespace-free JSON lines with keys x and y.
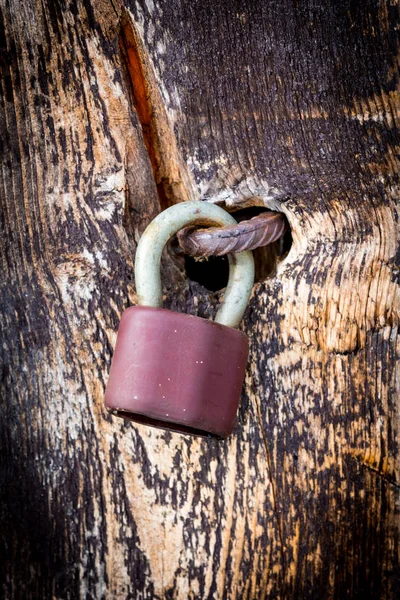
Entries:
{"x":171,"y":175}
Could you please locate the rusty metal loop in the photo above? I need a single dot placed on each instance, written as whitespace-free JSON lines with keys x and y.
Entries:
{"x":246,"y":235}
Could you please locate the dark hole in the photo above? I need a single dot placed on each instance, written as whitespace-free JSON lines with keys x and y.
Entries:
{"x":266,"y":257}
{"x":213,"y":273}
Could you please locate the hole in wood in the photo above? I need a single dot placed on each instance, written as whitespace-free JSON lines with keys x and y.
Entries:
{"x":212,"y":273}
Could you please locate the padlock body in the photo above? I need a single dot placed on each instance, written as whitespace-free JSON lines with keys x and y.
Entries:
{"x":177,"y":371}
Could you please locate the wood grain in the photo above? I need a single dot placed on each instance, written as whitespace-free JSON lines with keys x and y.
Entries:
{"x":291,"y":106}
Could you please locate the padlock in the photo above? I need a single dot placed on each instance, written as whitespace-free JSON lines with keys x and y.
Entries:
{"x":177,"y":371}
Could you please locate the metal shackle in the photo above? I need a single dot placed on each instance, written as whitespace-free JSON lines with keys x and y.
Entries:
{"x":157,"y":234}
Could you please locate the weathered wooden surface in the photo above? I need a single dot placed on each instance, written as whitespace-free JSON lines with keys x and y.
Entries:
{"x":291,"y":105}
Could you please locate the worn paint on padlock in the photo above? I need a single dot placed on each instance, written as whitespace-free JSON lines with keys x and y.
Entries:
{"x":177,"y":371}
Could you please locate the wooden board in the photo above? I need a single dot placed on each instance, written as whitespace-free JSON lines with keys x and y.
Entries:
{"x":110,"y":111}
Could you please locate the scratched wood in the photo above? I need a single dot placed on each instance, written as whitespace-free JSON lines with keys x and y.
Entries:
{"x":110,"y":111}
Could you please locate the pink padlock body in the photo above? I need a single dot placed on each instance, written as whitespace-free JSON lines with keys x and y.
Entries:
{"x":176,"y":371}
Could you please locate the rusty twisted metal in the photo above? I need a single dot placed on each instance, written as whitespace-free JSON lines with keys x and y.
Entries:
{"x":246,"y":235}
